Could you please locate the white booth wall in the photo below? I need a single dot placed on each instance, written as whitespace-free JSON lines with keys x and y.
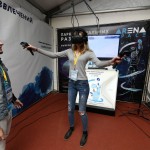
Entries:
{"x":90,"y":19}
{"x":30,"y":8}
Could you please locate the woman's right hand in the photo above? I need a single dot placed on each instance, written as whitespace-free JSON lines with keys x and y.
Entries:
{"x":31,"y":48}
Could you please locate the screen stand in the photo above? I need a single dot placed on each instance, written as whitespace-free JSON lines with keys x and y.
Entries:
{"x":138,"y":111}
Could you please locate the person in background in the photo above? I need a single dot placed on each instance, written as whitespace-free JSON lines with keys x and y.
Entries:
{"x":6,"y":98}
{"x":78,"y":56}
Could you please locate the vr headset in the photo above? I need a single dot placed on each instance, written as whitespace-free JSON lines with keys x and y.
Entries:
{"x":79,"y":36}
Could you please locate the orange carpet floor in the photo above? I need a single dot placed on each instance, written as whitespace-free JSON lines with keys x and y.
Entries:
{"x":43,"y":126}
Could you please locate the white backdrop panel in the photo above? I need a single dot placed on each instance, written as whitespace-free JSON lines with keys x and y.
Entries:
{"x":103,"y":88}
{"x":18,"y":25}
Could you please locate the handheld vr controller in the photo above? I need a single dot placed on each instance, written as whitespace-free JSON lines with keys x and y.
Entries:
{"x":24,"y":45}
{"x":124,"y":51}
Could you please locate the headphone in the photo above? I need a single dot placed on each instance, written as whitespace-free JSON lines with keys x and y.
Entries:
{"x":79,"y":35}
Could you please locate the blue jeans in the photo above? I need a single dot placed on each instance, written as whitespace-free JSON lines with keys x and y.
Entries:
{"x":81,"y":86}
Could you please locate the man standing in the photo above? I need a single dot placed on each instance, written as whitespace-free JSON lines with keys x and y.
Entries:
{"x":6,"y":98}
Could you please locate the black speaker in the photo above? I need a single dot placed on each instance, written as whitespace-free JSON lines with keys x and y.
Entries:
{"x":79,"y":35}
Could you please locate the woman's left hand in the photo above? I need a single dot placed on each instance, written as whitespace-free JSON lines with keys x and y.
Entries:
{"x":116,"y":60}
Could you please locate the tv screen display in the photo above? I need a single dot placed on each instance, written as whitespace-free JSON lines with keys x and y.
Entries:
{"x":104,"y":46}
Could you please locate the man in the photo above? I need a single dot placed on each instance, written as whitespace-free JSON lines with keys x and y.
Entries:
{"x":6,"y":98}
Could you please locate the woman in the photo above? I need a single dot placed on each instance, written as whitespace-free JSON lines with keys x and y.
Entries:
{"x":78,"y":57}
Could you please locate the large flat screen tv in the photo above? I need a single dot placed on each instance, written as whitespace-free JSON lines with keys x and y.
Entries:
{"x":104,"y":46}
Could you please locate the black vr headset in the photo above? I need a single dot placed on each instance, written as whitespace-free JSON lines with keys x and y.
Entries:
{"x":79,"y":36}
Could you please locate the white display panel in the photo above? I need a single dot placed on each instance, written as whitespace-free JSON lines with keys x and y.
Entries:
{"x":103,"y":88}
{"x":104,"y":46}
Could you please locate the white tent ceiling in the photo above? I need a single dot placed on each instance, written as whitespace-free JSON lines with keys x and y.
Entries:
{"x":46,"y":5}
{"x":54,"y":7}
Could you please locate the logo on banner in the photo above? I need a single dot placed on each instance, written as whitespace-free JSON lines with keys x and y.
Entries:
{"x":14,"y":11}
{"x":65,"y":39}
{"x":95,"y":32}
{"x":66,"y":36}
{"x":132,"y":30}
